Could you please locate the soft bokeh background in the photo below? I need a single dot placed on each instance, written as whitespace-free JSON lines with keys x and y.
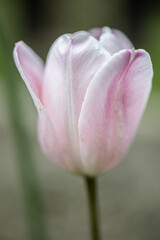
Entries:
{"x":39,"y":202}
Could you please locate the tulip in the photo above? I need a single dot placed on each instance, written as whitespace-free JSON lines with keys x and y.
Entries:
{"x":90,"y":96}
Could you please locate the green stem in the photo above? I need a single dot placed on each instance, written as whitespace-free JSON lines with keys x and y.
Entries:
{"x":26,"y":164}
{"x":93,"y":207}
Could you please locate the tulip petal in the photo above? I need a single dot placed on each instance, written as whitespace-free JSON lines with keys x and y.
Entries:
{"x":123,"y":40}
{"x":96,"y":32}
{"x":71,"y":64}
{"x":112,"y":108}
{"x":52,"y":147}
{"x":50,"y":142}
{"x":114,"y":40}
{"x":31,"y":69}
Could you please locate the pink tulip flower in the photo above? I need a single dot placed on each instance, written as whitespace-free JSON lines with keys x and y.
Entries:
{"x":90,"y":96}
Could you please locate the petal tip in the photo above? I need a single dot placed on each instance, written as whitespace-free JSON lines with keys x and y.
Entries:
{"x":18,"y":44}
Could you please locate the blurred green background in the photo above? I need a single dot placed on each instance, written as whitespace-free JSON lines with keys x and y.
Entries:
{"x":39,"y":202}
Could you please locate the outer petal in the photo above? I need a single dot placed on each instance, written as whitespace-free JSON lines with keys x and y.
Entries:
{"x":114,"y":40}
{"x":72,"y":62}
{"x":108,"y":121}
{"x":31,"y":68}
{"x":137,"y":87}
{"x":50,"y":142}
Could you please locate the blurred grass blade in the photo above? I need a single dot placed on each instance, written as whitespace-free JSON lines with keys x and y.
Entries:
{"x":34,"y":209}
